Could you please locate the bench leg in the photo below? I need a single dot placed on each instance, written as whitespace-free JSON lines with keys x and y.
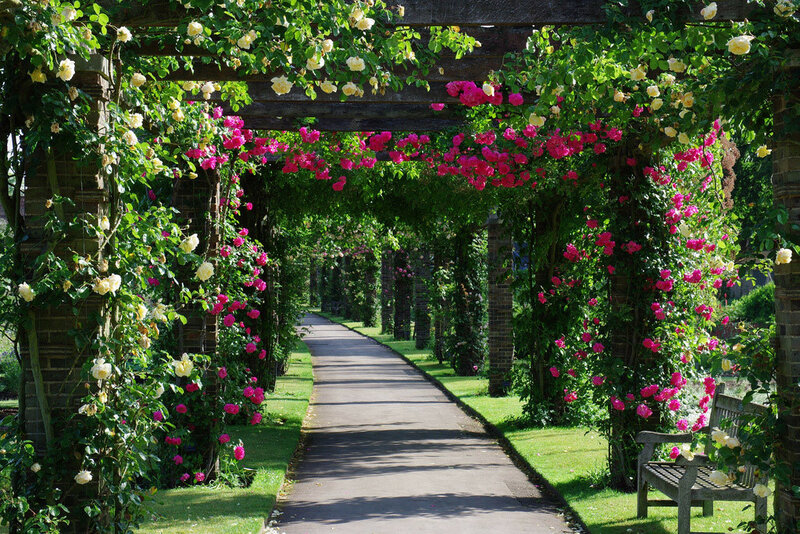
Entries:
{"x":708,"y":508}
{"x":641,"y":499}
{"x":761,"y":515}
{"x":684,"y":512}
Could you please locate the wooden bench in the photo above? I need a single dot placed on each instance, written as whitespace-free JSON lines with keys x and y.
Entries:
{"x":687,"y":483}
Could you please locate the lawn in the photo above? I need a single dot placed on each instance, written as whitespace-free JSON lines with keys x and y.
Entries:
{"x":568,"y":458}
{"x":269,"y":447}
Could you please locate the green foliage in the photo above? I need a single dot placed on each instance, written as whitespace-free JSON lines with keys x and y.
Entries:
{"x":10,"y":373}
{"x":755,"y":308}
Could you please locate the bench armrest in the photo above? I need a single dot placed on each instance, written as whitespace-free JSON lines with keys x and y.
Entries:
{"x":661,"y":437}
{"x":698,"y":460}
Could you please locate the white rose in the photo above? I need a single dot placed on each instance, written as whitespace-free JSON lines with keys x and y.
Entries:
{"x":137,"y":80}
{"x":652,"y":91}
{"x":536,"y":120}
{"x":784,"y":255}
{"x":66,"y":70}
{"x":784,"y":8}
{"x":656,"y":104}
{"x":649,"y":15}
{"x":69,"y":13}
{"x":488,"y":89}
{"x":760,"y":490}
{"x":686,"y":451}
{"x":104,"y":224}
{"x":315,"y":63}
{"x":141,"y":312}
{"x":281,"y":85}
{"x":114,"y":282}
{"x":207,"y":89}
{"x":683,"y":138}
{"x":327,"y":87}
{"x":26,"y":292}
{"x":101,"y":286}
{"x":327,"y":45}
{"x":355,"y":63}
{"x":244,"y":42}
{"x":36,"y":467}
{"x":178,"y":115}
{"x":159,"y":391}
{"x":710,"y":11}
{"x":194,"y":29}
{"x":740,"y":46}
{"x":130,"y":138}
{"x":88,"y":410}
{"x":670,"y":131}
{"x":720,"y":436}
{"x":189,"y":86}
{"x":365,"y":24}
{"x":190,"y":243}
{"x":719,"y":478}
{"x":350,"y":89}
{"x":102,"y":397}
{"x":123,"y":35}
{"x":357,"y":14}
{"x":732,"y":443}
{"x":83,"y":477}
{"x":683,"y":228}
{"x":205,"y":271}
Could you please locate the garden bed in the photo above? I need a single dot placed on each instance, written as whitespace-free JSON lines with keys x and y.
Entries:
{"x":571,"y":460}
{"x":270,"y":447}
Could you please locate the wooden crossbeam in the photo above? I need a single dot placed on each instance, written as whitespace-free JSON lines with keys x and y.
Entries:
{"x":262,"y":92}
{"x":460,"y":13}
{"x":343,"y":110}
{"x":356,"y":125}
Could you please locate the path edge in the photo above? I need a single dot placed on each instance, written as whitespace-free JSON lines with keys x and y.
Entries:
{"x":508,"y":448}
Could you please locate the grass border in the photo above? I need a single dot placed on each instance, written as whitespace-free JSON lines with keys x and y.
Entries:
{"x":519,"y":461}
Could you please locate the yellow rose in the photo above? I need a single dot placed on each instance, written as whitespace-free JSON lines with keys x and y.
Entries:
{"x":365,"y":24}
{"x":350,"y":89}
{"x":536,"y":120}
{"x":784,"y":255}
{"x":763,"y":151}
{"x":327,"y":87}
{"x":726,"y":365}
{"x":740,"y":46}
{"x":194,"y":29}
{"x":710,"y":11}
{"x":190,"y":243}
{"x":205,"y":271}
{"x":355,"y":63}
{"x":652,"y":91}
{"x":137,"y":80}
{"x":687,"y":100}
{"x":281,"y":85}
{"x":327,"y":45}
{"x":676,"y":65}
{"x":619,"y":96}
{"x":184,"y":366}
{"x":670,"y":131}
{"x":656,"y":104}
{"x":37,"y":76}
{"x":683,"y":138}
{"x":638,"y":74}
{"x":141,"y":312}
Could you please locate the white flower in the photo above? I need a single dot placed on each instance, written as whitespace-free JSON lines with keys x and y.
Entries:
{"x":784,"y":255}
{"x":638,"y":74}
{"x":686,"y":451}
{"x":656,"y":104}
{"x":314,"y":63}
{"x":114,"y":282}
{"x":719,"y":478}
{"x":101,"y":286}
{"x":619,"y":96}
{"x":83,"y":477}
{"x":69,"y":13}
{"x":160,"y":313}
{"x":763,"y":151}
{"x":687,"y":100}
{"x":365,"y":24}
{"x":357,"y":14}
{"x":66,"y":70}
{"x":190,"y":243}
{"x":732,"y":443}
{"x":488,"y":89}
{"x":26,"y":292}
{"x":281,"y":85}
{"x":37,"y":76}
{"x":244,"y":42}
{"x":649,"y":15}
{"x":104,"y":224}
{"x":123,"y":35}
{"x":137,"y":80}
{"x":401,"y":11}
{"x":327,"y":45}
{"x":205,"y":271}
{"x":652,"y":91}
{"x":189,"y":86}
{"x":536,"y":120}
{"x":676,"y":65}
{"x":350,"y":89}
{"x":683,"y":138}
{"x":178,"y":115}
{"x":55,"y":127}
{"x":710,"y":11}
{"x":159,"y":391}
{"x":720,"y":436}
{"x":135,"y":120}
{"x":327,"y":87}
{"x":669,"y":79}
{"x":670,"y":131}
{"x":102,"y":397}
{"x":760,"y":490}
{"x":355,"y":63}
{"x":141,"y":311}
{"x":784,"y":8}
{"x":130,"y":138}
{"x":740,"y":46}
{"x":36,"y":467}
{"x":184,"y":366}
{"x":194,"y":29}
{"x":88,"y":410}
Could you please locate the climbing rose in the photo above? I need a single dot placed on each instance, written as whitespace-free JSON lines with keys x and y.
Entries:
{"x":181,"y":408}
{"x":205,"y":271}
{"x":674,"y":453}
{"x":643,"y":411}
{"x":199,"y":477}
{"x":83,"y":477}
{"x":281,"y":85}
{"x":554,"y":371}
{"x":232,"y":409}
{"x":783,"y":256}
{"x":224,"y":438}
{"x":740,"y":45}
{"x":256,"y":419}
{"x":184,"y":366}
{"x":229,"y":320}
{"x":26,"y":292}
{"x":222,"y":373}
{"x":238,"y":452}
{"x":710,"y":11}
{"x":178,"y":459}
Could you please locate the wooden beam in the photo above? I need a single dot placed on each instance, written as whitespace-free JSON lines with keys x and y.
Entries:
{"x":460,"y":13}
{"x":262,"y":92}
{"x":467,"y":68}
{"x":356,"y":125}
{"x":342,"y":110}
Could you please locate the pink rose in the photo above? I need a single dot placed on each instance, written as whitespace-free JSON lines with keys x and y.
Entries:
{"x":224,"y":438}
{"x":238,"y":452}
{"x":181,"y":408}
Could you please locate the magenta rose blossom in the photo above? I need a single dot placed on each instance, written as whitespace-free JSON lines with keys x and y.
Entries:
{"x":238,"y":452}
{"x":224,"y":438}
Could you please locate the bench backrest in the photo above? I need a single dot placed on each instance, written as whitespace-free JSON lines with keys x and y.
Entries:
{"x":730,"y":409}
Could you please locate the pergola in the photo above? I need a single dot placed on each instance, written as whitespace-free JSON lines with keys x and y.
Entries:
{"x":502,"y":27}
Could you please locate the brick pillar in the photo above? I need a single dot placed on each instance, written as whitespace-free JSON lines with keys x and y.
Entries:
{"x":348,"y":287}
{"x":51,"y":360}
{"x":501,"y":335}
{"x":786,"y":190}
{"x":387,"y":291}
{"x":422,"y":318}
{"x":367,"y":313}
{"x":403,"y":285}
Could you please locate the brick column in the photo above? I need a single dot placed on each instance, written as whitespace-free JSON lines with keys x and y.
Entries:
{"x":786,"y":190}
{"x":403,"y":285}
{"x":501,"y":334}
{"x":422,"y":318}
{"x":387,"y":291}
{"x":348,"y":287}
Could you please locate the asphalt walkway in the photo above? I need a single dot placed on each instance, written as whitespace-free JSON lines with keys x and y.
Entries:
{"x":389,"y":453}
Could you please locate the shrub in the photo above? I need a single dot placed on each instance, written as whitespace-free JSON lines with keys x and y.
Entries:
{"x":10,"y":373}
{"x":757,"y":307}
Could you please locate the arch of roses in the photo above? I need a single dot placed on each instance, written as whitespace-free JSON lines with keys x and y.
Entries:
{"x":126,"y":197}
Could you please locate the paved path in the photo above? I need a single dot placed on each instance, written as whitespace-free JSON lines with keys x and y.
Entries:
{"x":388,"y":453}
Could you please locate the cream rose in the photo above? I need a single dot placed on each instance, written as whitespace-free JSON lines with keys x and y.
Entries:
{"x":536,"y":120}
{"x":66,"y":70}
{"x":355,"y":63}
{"x":205,"y":271}
{"x":244,"y":42}
{"x":101,"y":370}
{"x":315,"y":63}
{"x":740,"y":46}
{"x":619,"y":96}
{"x":760,"y":490}
{"x":135,"y":120}
{"x":141,"y":312}
{"x":676,"y":65}
{"x":327,"y":45}
{"x":652,"y":91}
{"x":124,"y":35}
{"x":488,"y":89}
{"x":687,"y":100}
{"x":719,"y":478}
{"x":710,"y":11}
{"x":638,"y":74}
{"x":784,"y":8}
{"x":683,"y":138}
{"x":365,"y":23}
{"x":350,"y":89}
{"x":83,"y":477}
{"x":26,"y":292}
{"x":184,"y":366}
{"x":194,"y":29}
{"x":670,"y":131}
{"x":656,"y":104}
{"x":137,"y":80}
{"x":281,"y":85}
{"x":37,"y":76}
{"x":784,"y":255}
{"x":649,"y":15}
{"x":726,"y":365}
{"x":732,"y":443}
{"x":130,"y":138}
{"x":101,"y":286}
{"x":159,"y":391}
{"x":36,"y":467}
{"x":327,"y":87}
{"x":190,"y":243}
{"x":114,"y":282}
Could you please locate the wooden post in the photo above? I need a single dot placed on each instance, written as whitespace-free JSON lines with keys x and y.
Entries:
{"x":501,"y":333}
{"x":403,"y":285}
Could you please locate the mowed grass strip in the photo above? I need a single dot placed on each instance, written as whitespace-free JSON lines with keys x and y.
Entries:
{"x":269,"y":446}
{"x":570,"y":459}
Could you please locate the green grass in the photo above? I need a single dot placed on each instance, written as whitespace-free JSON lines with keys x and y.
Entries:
{"x":9,"y":403}
{"x":566,"y":457}
{"x":269,"y":449}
